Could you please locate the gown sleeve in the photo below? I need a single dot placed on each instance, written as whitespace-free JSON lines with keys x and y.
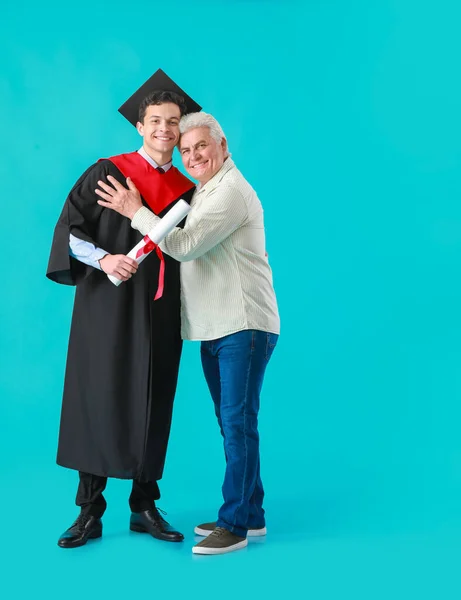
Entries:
{"x":79,"y":217}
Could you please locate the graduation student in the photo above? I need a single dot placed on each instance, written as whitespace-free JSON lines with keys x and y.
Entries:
{"x":124,"y":347}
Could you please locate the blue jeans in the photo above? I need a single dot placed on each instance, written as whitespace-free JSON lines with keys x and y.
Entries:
{"x":234,"y":368}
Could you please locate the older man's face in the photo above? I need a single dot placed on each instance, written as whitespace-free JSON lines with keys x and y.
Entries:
{"x":201,"y":154}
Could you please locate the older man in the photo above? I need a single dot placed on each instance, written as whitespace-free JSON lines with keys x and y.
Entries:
{"x":228,"y":303}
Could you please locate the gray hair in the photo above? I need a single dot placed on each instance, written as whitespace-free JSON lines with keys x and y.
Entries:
{"x":202,"y":119}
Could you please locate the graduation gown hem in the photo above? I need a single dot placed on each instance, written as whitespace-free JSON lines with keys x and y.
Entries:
{"x":128,"y":475}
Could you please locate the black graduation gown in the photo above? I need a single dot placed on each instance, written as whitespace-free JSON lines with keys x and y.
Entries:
{"x":124,"y":348}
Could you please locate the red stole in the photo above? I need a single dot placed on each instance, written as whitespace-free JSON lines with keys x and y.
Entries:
{"x":158,"y":189}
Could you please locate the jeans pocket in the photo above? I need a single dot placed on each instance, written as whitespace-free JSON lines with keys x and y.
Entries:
{"x":271,"y":342}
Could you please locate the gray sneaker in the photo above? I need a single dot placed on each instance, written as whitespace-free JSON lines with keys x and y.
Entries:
{"x":220,"y":541}
{"x":206,"y":528}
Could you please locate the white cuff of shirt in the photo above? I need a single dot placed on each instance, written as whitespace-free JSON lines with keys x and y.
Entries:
{"x":144,"y":220}
{"x":96,"y":256}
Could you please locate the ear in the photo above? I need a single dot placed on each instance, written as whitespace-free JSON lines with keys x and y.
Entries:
{"x":140,"y":128}
{"x":224,"y":145}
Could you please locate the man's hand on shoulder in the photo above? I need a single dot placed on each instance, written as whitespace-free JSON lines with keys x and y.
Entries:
{"x":119,"y":265}
{"x":126,"y":201}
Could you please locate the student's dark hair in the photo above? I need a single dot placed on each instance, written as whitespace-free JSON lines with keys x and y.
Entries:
{"x":160,"y":97}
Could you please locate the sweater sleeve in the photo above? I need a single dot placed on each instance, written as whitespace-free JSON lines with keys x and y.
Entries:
{"x":207,"y":224}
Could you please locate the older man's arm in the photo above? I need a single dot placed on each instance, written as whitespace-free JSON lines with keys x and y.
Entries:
{"x":221,"y":213}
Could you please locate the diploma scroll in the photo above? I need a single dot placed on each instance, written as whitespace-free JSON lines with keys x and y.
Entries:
{"x":174,"y":216}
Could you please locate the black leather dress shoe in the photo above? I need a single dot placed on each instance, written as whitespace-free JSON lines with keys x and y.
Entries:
{"x":83,"y":529}
{"x":150,"y":521}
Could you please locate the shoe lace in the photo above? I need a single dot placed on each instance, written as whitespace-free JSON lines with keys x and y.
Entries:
{"x":218,"y":532}
{"x":80,"y":520}
{"x":159,"y":510}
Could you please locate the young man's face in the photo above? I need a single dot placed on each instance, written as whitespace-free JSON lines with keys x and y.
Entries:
{"x":160,"y":128}
{"x":201,"y":154}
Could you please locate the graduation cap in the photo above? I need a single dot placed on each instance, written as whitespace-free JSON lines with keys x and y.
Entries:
{"x":158,"y":82}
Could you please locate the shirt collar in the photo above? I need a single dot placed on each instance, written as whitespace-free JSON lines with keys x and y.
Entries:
{"x":227,"y":166}
{"x":152,"y":162}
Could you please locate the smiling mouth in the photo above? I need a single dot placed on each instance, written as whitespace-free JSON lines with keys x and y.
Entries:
{"x":200,"y":165}
{"x":163,"y":138}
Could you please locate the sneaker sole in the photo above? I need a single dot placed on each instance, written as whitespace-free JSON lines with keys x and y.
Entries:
{"x":251,"y":532}
{"x":205,"y":550}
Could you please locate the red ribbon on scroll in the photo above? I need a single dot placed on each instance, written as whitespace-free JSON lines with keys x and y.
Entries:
{"x":148,"y":247}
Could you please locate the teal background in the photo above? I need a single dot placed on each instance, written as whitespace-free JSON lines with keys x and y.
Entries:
{"x":345,"y":117}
